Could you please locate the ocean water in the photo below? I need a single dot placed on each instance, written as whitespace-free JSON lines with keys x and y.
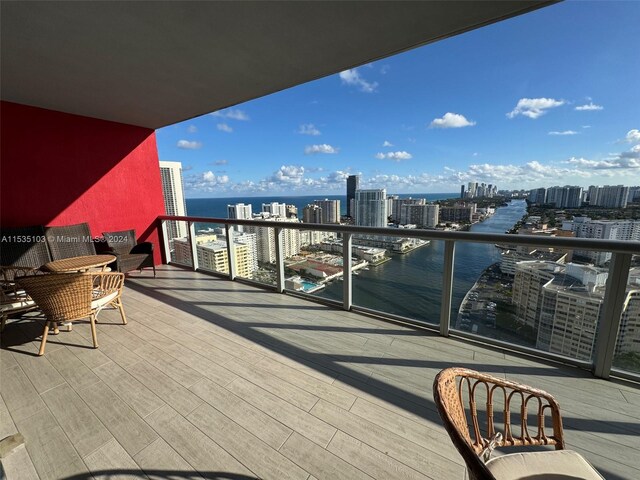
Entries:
{"x":411,"y":284}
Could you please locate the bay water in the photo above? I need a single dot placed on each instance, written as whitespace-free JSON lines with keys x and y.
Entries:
{"x":410,"y":284}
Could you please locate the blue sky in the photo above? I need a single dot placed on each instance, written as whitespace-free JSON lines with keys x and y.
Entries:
{"x":551,"y":97}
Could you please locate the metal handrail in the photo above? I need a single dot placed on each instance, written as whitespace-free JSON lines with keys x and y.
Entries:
{"x":614,"y":246}
{"x":622,"y":252}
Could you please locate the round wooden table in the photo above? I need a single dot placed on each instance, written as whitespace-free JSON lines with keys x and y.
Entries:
{"x":78,"y":264}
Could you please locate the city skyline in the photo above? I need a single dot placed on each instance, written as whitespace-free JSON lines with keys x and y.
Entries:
{"x":528,"y":102}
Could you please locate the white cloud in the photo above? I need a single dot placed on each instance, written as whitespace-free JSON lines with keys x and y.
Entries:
{"x":294,"y":179}
{"x":565,"y":132}
{"x":387,"y":143}
{"x":451,"y":120}
{"x":384,"y":69}
{"x":308,"y":129}
{"x":207,"y":182}
{"x":192,"y":129}
{"x":221,"y":162}
{"x":323,"y":148}
{"x":338,"y":176}
{"x":633,"y":136}
{"x":353,"y":78}
{"x":232,"y":114}
{"x":223,"y":127}
{"x":289,"y":174}
{"x":634,"y":153}
{"x":534,"y":107}
{"x":626,"y":160}
{"x":187,"y":145}
{"x":586,"y":126}
{"x":589,"y":106}
{"x":395,"y":156}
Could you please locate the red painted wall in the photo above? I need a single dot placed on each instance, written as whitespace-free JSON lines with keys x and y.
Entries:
{"x":59,"y":169}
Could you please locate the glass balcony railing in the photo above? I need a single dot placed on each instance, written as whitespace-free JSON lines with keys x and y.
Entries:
{"x":416,"y":268}
{"x":626,"y":356}
{"x":524,"y":293}
{"x":177,"y":248}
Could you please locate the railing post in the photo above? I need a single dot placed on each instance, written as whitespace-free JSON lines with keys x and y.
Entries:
{"x":165,"y":241}
{"x":231,"y":251}
{"x":279,"y":234}
{"x":614,"y":296}
{"x":193,"y":246}
{"x":447,"y":287}
{"x":346,"y":272}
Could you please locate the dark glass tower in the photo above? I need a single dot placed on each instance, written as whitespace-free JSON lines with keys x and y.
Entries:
{"x":353,"y":184}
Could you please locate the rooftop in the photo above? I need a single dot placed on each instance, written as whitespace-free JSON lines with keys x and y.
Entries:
{"x":231,"y":381}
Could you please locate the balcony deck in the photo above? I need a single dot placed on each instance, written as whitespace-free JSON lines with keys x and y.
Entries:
{"x":216,"y":379}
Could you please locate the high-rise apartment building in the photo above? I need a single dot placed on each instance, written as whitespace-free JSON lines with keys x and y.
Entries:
{"x":353,"y":184}
{"x":420,"y":215}
{"x":213,"y":255}
{"x":275,"y":209}
{"x":174,"y":203}
{"x":312,"y":214}
{"x":239,"y":211}
{"x":250,"y":240}
{"x":593,"y":194}
{"x":330,"y":210}
{"x":584,"y":227}
{"x":266,"y":239}
{"x":565,"y":197}
{"x":396,"y":205}
{"x":608,"y":196}
{"x":371,"y":208}
{"x":479,"y":190}
{"x":634,"y":194}
{"x":537,"y":196}
{"x":563,"y":303}
{"x":460,"y":213}
{"x":292,"y":211}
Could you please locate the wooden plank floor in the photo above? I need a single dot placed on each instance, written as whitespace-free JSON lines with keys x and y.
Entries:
{"x":216,"y":379}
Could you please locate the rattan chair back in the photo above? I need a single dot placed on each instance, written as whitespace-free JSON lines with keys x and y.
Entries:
{"x":62,"y":297}
{"x":23,"y":246}
{"x":473,"y":430}
{"x":70,"y":241}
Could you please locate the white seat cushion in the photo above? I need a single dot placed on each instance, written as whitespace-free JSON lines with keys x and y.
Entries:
{"x":15,"y":302}
{"x":551,"y":465}
{"x":103,"y":301}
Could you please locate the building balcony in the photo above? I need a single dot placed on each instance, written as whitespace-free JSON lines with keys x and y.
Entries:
{"x":220,"y":379}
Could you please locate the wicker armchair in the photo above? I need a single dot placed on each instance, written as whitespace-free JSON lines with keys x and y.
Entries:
{"x":13,"y":300}
{"x":129,"y":254}
{"x":476,"y":442}
{"x":70,"y":241}
{"x":69,"y":297}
